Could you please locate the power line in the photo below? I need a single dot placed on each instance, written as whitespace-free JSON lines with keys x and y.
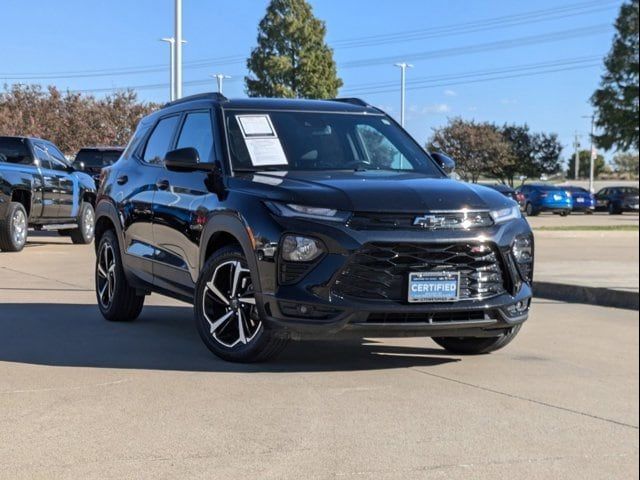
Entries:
{"x":371,"y":40}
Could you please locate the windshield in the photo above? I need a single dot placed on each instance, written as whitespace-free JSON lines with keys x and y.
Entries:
{"x":97,"y":158}
{"x":293,"y":140}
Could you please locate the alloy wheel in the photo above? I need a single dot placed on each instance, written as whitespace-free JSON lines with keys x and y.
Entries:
{"x":88,"y":221}
{"x":106,"y":275}
{"x":229,"y":305}
{"x":19,"y":227}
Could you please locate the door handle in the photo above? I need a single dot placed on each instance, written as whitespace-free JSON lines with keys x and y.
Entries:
{"x":122,"y":180}
{"x":162,"y":184}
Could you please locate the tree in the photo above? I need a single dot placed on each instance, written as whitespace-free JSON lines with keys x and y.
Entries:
{"x":599,"y":165}
{"x":546,"y":158}
{"x":292,"y":59}
{"x":616,"y":101}
{"x":522,"y":146}
{"x":626,"y":163}
{"x":70,"y":120}
{"x":478,"y":148}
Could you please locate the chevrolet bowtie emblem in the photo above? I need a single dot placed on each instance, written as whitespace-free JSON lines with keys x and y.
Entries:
{"x":429,"y":221}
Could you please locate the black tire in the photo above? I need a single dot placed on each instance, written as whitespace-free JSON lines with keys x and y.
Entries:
{"x":124,"y":304}
{"x":476,"y":345}
{"x":530,"y":211}
{"x":613,"y":210}
{"x":255,"y":341}
{"x":85,"y":232}
{"x":565,"y":213}
{"x":13,"y":228}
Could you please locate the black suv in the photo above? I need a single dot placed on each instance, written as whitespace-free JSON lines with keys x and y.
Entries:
{"x":283,"y":219}
{"x":92,"y":160}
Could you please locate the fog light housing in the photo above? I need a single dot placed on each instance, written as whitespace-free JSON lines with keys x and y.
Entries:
{"x":522,"y":249}
{"x":296,"y":248}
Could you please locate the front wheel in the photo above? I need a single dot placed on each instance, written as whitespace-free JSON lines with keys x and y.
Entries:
{"x":226,"y":313}
{"x":613,"y":210}
{"x":530,"y":211}
{"x":476,"y":345}
{"x":86,"y":226}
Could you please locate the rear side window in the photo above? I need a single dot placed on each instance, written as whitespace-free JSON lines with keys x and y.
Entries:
{"x":197,"y":132}
{"x":14,"y":150}
{"x":160,"y":140}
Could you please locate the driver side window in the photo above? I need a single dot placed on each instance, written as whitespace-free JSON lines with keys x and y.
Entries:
{"x":380,"y":152}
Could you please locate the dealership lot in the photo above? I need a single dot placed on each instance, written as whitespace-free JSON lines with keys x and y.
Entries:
{"x":83,"y":398}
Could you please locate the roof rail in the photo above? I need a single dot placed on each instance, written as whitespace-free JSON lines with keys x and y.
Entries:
{"x":218,"y":97}
{"x":352,"y":101}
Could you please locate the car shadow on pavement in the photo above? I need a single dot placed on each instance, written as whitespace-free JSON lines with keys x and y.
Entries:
{"x":164,"y":338}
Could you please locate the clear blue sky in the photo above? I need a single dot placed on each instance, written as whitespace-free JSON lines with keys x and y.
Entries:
{"x":454,"y":45}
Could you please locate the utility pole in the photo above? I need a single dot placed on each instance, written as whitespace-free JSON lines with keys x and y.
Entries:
{"x":172,"y":66}
{"x":592,"y":155}
{"x":220,"y":77}
{"x":576,"y":146}
{"x":403,"y":74}
{"x":178,"y":49}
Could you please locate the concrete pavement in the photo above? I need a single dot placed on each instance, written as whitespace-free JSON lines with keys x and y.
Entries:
{"x":85,"y":398}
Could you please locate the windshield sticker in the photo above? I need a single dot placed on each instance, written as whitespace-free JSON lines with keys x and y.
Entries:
{"x":256,"y":125}
{"x":261,"y":140}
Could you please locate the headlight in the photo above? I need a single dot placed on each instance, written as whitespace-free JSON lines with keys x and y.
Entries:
{"x":506,"y":214}
{"x":523,"y":253}
{"x":296,"y":248}
{"x":303,"y":211}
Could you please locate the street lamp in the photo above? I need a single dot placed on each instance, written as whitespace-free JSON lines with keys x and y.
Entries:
{"x":403,"y":73}
{"x":172,"y":66}
{"x":178,"y":49}
{"x":220,"y":77}
{"x":592,"y":155}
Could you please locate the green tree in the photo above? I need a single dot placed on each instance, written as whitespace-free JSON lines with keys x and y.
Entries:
{"x":523,"y":148}
{"x":292,"y":59}
{"x":626,"y":162}
{"x":599,"y":165}
{"x":546,"y":158}
{"x":616,"y":101}
{"x":478,"y":148}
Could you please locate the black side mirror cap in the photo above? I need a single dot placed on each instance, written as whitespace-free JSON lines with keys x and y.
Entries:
{"x":447,"y":163}
{"x":183,"y":160}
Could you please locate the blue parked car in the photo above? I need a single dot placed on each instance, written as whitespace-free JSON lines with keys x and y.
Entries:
{"x":583,"y":200}
{"x":546,"y":198}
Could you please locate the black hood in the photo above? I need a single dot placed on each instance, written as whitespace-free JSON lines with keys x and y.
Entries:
{"x":370,"y":191}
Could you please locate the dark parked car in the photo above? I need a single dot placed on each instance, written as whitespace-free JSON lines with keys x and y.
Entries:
{"x":546,"y":198}
{"x":39,"y":189}
{"x":92,"y":160}
{"x":283,"y":219}
{"x":508,"y":192}
{"x":583,"y":199}
{"x":617,"y":200}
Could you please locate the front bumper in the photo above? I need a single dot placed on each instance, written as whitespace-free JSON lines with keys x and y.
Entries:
{"x":311,"y":308}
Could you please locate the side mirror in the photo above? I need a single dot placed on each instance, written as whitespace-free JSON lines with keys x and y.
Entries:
{"x":78,"y":166}
{"x":447,"y":163}
{"x":183,"y":160}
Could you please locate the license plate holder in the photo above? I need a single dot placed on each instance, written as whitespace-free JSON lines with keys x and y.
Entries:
{"x":431,"y":287}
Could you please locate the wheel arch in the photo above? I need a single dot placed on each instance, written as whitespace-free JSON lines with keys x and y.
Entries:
{"x":107,"y":219}
{"x":23,"y":197}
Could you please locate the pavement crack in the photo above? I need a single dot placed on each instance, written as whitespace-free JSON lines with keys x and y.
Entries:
{"x":41,"y":277}
{"x":526,"y":399}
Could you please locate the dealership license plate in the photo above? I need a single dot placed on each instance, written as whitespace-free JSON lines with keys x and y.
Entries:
{"x":434,"y":287}
{"x":580,"y":200}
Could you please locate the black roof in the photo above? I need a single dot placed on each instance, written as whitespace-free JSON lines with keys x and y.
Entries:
{"x":334,"y":105}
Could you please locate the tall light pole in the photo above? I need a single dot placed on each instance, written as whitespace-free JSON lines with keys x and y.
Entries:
{"x":220,"y":78}
{"x":576,"y":146}
{"x":178,"y":49}
{"x":172,"y":66}
{"x":403,"y":75}
{"x":592,"y":155}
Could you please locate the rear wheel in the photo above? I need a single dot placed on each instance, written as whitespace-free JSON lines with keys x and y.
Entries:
{"x":86,"y":226}
{"x":13,"y":228}
{"x":565,"y":213}
{"x":476,"y":345}
{"x":226,"y":314}
{"x":613,"y":210}
{"x":531,"y":212}
{"x":117,"y":300}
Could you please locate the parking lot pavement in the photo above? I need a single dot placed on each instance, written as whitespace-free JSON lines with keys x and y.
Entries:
{"x":84,"y":398}
{"x":599,"y":219}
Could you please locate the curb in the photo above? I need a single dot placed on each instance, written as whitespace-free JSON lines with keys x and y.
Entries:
{"x":603,"y":297}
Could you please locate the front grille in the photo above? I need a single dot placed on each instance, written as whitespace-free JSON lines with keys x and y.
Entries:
{"x":432,"y":318}
{"x":416,"y":221}
{"x":380,"y":271}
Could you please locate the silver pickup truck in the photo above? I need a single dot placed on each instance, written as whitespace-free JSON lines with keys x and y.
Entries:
{"x":39,"y":189}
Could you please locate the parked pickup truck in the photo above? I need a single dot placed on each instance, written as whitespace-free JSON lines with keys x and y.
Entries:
{"x":39,"y":189}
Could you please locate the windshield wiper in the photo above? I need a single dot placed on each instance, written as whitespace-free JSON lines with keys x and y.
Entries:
{"x":272,"y":168}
